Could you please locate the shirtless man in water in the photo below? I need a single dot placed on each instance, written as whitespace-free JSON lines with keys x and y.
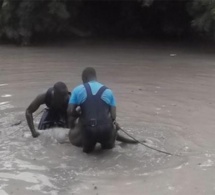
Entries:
{"x":55,"y":115}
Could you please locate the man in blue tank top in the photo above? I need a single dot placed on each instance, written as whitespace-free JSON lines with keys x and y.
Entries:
{"x":98,"y":112}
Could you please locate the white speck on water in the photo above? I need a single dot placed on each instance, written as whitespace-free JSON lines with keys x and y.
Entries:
{"x":171,"y":188}
{"x":159,"y":172}
{"x":186,"y":148}
{"x":6,"y":95}
{"x":26,"y":165}
{"x":172,"y":55}
{"x":53,"y":192}
{"x":29,"y":178}
{"x":3,"y":185}
{"x":62,"y":166}
{"x":38,"y":188}
{"x":117,"y":156}
{"x":144,"y":174}
{"x":207,"y":163}
{"x":179,"y":167}
{"x":34,"y":188}
{"x":151,"y":173}
{"x":2,"y":179}
{"x":3,"y":103}
{"x":129,"y":183}
{"x":135,"y":169}
{"x":3,"y":84}
{"x":2,"y":192}
{"x":208,"y":155}
{"x":27,"y":135}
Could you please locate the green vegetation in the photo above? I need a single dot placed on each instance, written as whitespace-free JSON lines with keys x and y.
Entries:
{"x":203,"y":13}
{"x":22,"y":21}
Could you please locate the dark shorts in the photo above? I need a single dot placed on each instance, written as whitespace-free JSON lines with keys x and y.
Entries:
{"x":51,"y":118}
{"x":103,"y":134}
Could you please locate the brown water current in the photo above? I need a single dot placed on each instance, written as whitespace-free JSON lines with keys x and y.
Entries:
{"x":165,"y":94}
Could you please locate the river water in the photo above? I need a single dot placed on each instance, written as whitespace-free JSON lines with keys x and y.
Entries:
{"x":164,"y":94}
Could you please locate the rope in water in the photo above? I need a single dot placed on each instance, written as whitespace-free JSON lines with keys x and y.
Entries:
{"x":167,"y":153}
{"x":20,"y":121}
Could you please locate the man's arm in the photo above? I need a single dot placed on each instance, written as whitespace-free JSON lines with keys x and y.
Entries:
{"x":72,"y":115}
{"x":39,"y":100}
{"x":113,"y":112}
{"x":113,"y":116}
{"x":74,"y":111}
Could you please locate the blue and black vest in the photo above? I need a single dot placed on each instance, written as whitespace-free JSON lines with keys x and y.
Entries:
{"x":95,"y":111}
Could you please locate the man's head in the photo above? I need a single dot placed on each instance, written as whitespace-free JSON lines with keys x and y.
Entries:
{"x":88,"y":74}
{"x":60,"y":88}
{"x":60,"y":91}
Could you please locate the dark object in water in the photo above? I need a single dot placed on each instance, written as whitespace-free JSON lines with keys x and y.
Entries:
{"x":17,"y":123}
{"x":167,"y":153}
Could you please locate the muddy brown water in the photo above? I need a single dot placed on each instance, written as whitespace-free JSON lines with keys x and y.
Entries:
{"x":165,"y":94}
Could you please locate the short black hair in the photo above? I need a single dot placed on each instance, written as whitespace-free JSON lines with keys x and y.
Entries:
{"x":88,"y":74}
{"x":60,"y":87}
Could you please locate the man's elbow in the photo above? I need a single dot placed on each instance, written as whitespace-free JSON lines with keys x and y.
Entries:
{"x":113,"y":113}
{"x":113,"y":117}
{"x":69,"y":111}
{"x":28,"y":113}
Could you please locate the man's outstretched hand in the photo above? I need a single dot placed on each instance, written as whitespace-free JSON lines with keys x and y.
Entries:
{"x":36,"y":134}
{"x":116,"y":125}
